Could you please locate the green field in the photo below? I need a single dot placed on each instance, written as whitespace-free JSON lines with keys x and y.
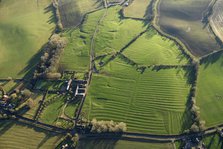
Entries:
{"x":151,"y":102}
{"x":56,"y":103}
{"x":14,"y":135}
{"x":115,"y":33}
{"x":120,"y":144}
{"x":73,"y":11}
{"x":76,"y":54}
{"x":210,"y":91}
{"x":138,"y":9}
{"x":25,"y":27}
{"x":213,"y":142}
{"x":153,"y":49}
{"x":182,"y":19}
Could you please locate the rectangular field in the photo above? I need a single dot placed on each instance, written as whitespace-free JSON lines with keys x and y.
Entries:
{"x":151,"y":102}
{"x":183,"y":19}
{"x":210,"y":90}
{"x":25,"y":27}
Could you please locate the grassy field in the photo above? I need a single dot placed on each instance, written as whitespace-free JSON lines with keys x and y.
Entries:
{"x":153,"y":49}
{"x":120,"y":144}
{"x":138,"y":9}
{"x":115,"y":33}
{"x":151,"y":102}
{"x":14,"y":135}
{"x":210,"y":91}
{"x":183,"y":20}
{"x":76,"y":54}
{"x":72,"y":11}
{"x":213,"y":142}
{"x":56,"y":103}
{"x":25,"y":27}
{"x":50,"y":85}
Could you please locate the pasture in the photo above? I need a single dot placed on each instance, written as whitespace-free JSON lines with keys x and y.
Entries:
{"x":213,"y":142}
{"x":209,"y":90}
{"x":138,"y":9}
{"x":73,"y":11}
{"x":61,"y":110}
{"x":182,"y":19}
{"x":25,"y":27}
{"x":120,"y":144}
{"x":115,"y":33}
{"x":76,"y":54}
{"x":21,"y":136}
{"x":216,"y":20}
{"x":153,"y":49}
{"x":150,"y":102}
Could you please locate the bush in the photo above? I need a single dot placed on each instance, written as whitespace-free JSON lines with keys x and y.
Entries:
{"x":107,"y":126}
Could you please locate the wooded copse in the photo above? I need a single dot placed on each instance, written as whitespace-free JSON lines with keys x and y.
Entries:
{"x":49,"y":62}
{"x":107,"y":126}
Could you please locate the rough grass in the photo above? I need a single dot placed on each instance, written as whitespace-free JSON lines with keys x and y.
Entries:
{"x":16,"y":135}
{"x":182,"y":19}
{"x":76,"y":54}
{"x":153,"y":49}
{"x":115,"y":33}
{"x":138,"y":9}
{"x":152,"y":102}
{"x":210,"y":91}
{"x":72,"y":11}
{"x":25,"y":27}
{"x":120,"y":144}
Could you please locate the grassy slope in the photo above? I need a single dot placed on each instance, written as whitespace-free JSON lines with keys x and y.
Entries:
{"x":115,"y":33}
{"x":210,"y":91}
{"x":138,"y":9}
{"x":182,"y":19}
{"x":24,"y":28}
{"x":20,"y":136}
{"x":152,"y":102}
{"x":151,"y":49}
{"x":76,"y":54}
{"x":72,"y":11}
{"x":120,"y":144}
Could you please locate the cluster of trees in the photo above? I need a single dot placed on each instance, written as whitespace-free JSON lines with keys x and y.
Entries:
{"x":49,"y":62}
{"x":57,"y":14}
{"x":20,"y":96}
{"x":198,"y":124}
{"x":107,"y":126}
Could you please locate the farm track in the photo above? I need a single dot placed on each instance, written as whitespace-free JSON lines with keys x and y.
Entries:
{"x":92,"y":56}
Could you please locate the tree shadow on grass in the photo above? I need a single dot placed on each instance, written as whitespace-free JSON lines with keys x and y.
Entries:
{"x":97,"y":144}
{"x":213,"y":58}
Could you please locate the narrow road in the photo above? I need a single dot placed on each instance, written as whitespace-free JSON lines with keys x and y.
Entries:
{"x":92,"y":56}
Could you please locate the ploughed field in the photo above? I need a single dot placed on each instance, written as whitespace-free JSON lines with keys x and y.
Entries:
{"x":216,"y":20}
{"x":25,"y":27}
{"x":183,"y":19}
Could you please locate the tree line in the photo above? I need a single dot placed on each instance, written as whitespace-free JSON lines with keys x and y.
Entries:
{"x":49,"y":61}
